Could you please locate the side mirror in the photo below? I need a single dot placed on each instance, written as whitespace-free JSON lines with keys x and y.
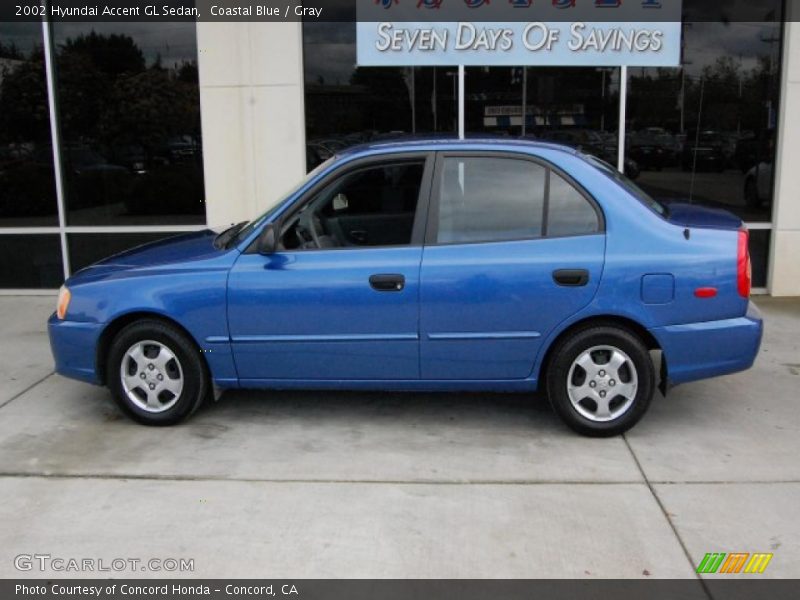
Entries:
{"x":268,"y":240}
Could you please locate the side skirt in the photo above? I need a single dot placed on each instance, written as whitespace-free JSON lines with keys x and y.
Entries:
{"x":517,"y":385}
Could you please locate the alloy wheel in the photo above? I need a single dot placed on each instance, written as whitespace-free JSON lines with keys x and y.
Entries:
{"x":151,"y":375}
{"x":602,"y":383}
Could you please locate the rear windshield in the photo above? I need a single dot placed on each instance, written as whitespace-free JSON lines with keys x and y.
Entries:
{"x":629,"y":186}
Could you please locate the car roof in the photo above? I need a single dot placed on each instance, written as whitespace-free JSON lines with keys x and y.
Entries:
{"x":411,"y":143}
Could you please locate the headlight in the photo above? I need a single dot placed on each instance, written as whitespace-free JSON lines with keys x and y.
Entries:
{"x":64,"y":297}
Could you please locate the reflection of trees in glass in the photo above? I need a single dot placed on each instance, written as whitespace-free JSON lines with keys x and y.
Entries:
{"x":142,"y":121}
{"x":734,"y":99}
{"x":376,"y":99}
{"x":24,"y":116}
{"x":389,"y":107}
{"x":27,"y":183}
{"x":112,"y":54}
{"x":10,"y":51}
{"x":108,"y":95}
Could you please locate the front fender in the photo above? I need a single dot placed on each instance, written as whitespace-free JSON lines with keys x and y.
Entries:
{"x":195,"y":298}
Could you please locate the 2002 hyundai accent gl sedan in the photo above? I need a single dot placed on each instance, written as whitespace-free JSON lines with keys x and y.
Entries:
{"x":435,"y":265}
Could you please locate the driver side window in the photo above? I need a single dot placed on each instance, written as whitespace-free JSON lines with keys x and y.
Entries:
{"x":373,"y":206}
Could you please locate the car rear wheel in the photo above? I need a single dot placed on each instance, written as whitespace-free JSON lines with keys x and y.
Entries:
{"x":601,"y":380}
{"x":156,"y":373}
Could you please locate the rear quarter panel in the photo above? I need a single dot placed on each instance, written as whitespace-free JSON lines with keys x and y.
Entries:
{"x":640,"y":243}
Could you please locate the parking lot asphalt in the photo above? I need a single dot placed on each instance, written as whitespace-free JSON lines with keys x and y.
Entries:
{"x":332,"y":484}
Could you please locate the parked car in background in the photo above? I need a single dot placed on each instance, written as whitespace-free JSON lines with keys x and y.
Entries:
{"x":426,"y":265}
{"x":593,"y":143}
{"x":704,"y":152}
{"x":90,"y":177}
{"x":649,"y":151}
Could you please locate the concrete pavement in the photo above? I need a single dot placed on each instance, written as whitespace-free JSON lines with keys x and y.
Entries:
{"x":317,"y":484}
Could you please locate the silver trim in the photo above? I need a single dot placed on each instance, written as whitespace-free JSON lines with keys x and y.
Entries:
{"x":55,"y":139}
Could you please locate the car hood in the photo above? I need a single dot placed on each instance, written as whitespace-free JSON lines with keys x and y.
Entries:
{"x":692,"y":215}
{"x":178,"y":249}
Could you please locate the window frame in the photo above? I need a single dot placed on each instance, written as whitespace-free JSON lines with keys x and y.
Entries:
{"x":360,"y":164}
{"x":432,"y":228}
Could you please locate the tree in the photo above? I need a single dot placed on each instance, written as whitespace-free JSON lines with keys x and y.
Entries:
{"x":24,"y":112}
{"x":112,"y":54}
{"x":10,"y":51}
{"x":148,"y":109}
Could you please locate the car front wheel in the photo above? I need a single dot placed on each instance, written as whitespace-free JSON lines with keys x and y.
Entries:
{"x":601,"y":380}
{"x":156,"y":373}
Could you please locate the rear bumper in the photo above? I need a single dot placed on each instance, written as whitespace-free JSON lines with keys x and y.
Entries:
{"x":73,"y":345}
{"x":696,"y":351}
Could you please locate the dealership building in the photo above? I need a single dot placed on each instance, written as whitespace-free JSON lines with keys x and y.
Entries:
{"x":117,"y":134}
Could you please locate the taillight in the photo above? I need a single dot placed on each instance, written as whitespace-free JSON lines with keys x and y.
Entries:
{"x":743,"y":268}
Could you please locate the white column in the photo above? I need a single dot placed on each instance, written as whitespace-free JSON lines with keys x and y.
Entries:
{"x":623,"y":115}
{"x":253,"y":115}
{"x":784,"y":277}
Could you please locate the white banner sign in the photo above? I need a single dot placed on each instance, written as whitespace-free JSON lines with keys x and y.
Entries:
{"x":643,"y":33}
{"x":537,"y":43}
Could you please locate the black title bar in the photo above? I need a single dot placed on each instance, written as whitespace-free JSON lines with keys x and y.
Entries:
{"x":729,"y":11}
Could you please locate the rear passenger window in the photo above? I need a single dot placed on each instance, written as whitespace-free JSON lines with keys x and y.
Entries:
{"x":500,"y":199}
{"x":490,"y":199}
{"x":569,"y":213}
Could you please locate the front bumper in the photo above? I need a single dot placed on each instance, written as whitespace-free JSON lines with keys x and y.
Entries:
{"x":697,"y":351}
{"x":74,"y":345}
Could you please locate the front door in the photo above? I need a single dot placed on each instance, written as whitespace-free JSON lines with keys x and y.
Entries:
{"x":513,"y":248}
{"x":339,"y":299}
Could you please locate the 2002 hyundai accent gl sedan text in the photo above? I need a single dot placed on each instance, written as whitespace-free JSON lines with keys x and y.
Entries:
{"x":435,"y":265}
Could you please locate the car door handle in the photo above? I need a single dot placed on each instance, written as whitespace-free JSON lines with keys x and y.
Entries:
{"x":388,"y":282}
{"x":571,"y":277}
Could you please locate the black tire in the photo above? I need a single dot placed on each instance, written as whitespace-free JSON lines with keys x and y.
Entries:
{"x":569,"y":349}
{"x":190,"y":366}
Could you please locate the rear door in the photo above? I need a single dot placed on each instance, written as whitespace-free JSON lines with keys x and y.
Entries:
{"x":513,"y":248}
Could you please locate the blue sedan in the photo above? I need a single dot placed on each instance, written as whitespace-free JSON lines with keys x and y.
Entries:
{"x":426,"y":265}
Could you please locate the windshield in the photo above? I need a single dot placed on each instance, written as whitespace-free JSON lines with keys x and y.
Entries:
{"x":252,"y":225}
{"x":626,"y":183}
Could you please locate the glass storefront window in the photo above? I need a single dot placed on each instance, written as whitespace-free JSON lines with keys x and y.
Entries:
{"x":30,"y":261}
{"x":348,"y":105}
{"x":130,"y":122}
{"x":705,"y":132}
{"x":27,"y":176}
{"x":577,"y":107}
{"x":88,"y":248}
